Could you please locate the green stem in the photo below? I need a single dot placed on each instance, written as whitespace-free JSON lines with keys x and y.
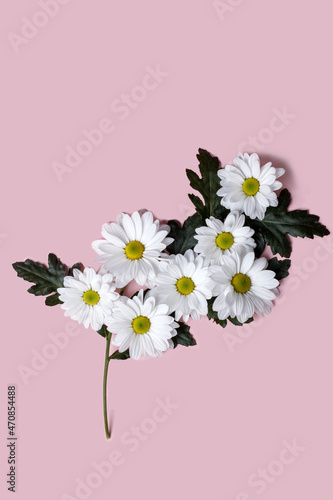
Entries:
{"x":106,"y":366}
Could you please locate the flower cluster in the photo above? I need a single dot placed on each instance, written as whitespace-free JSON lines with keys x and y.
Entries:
{"x":212,"y":265}
{"x":222,"y":265}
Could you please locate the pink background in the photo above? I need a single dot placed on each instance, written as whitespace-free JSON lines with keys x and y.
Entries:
{"x":241,"y":394}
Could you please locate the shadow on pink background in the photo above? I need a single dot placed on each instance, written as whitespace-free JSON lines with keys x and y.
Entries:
{"x":247,"y":413}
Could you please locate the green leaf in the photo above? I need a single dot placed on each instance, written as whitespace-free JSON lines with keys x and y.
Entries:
{"x":103,"y":331}
{"x":183,"y":337}
{"x":78,"y":266}
{"x":47,"y":280}
{"x":260,"y":242}
{"x":53,"y":300}
{"x":183,"y":236}
{"x":56,"y":267}
{"x":199,"y":205}
{"x":213,"y":314}
{"x":120,"y":355}
{"x":278,"y":223}
{"x":280,"y":267}
{"x":207,"y":185}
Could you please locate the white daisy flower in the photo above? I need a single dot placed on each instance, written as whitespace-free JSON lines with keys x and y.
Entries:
{"x":249,"y":188}
{"x":184,"y":284}
{"x":88,"y":297}
{"x":223,"y":238}
{"x":132,"y":247}
{"x":243,"y":286}
{"x":142,"y":325}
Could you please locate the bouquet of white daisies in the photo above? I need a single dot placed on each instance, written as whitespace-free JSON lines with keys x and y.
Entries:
{"x":211,"y":265}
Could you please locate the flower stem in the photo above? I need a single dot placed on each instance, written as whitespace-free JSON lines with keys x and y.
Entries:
{"x":106,"y":366}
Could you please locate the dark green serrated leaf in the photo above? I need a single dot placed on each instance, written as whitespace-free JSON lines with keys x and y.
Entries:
{"x":207,"y":185}
{"x":278,"y":223}
{"x":194,"y":179}
{"x":199,"y":205}
{"x":46,"y":280}
{"x":280,"y":267}
{"x":183,"y":337}
{"x":56,"y":268}
{"x":103,"y":331}
{"x":221,"y":213}
{"x":183,"y":236}
{"x":213,"y":314}
{"x":78,"y":266}
{"x":260,"y":242}
{"x":53,"y":300}
{"x":120,"y":355}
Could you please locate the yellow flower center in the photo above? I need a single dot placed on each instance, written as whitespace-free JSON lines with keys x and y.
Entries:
{"x":224,"y":240}
{"x":241,"y":283}
{"x":141,"y":324}
{"x":134,"y":250}
{"x":185,"y":285}
{"x":251,"y":186}
{"x":91,"y":297}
